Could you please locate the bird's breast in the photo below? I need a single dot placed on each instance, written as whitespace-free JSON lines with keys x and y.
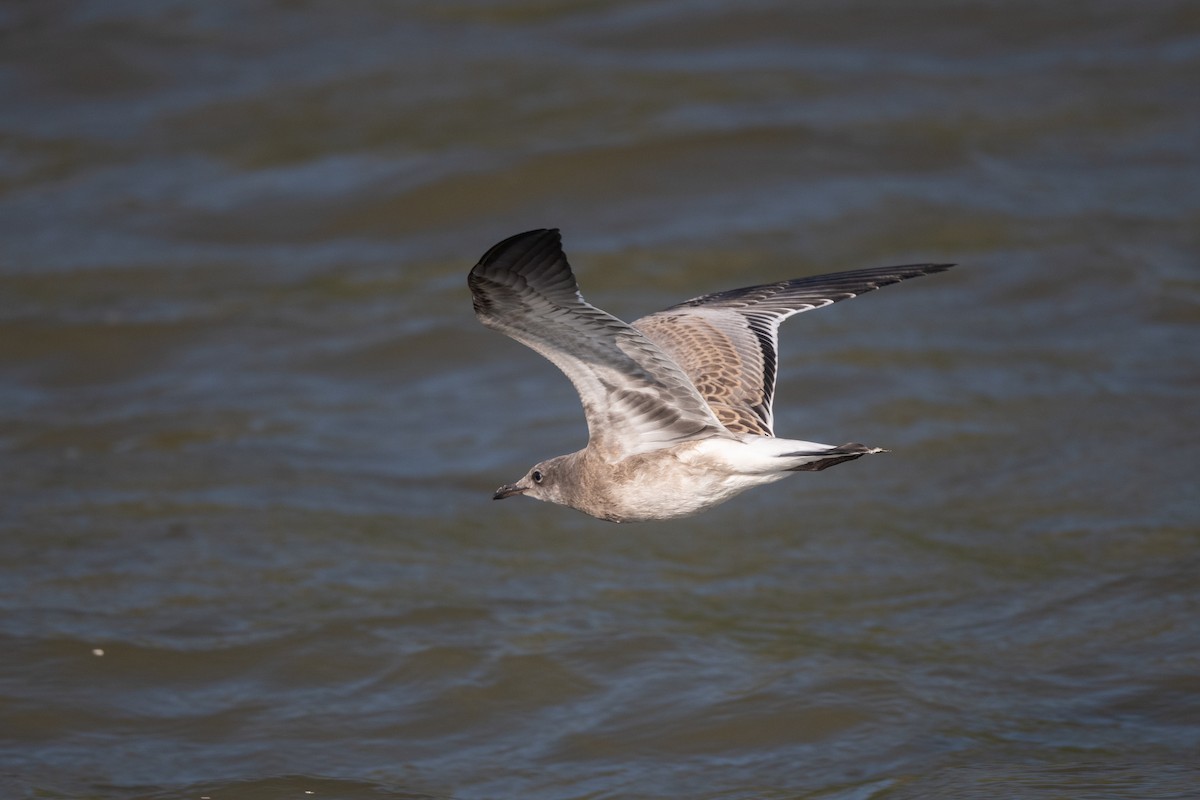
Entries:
{"x":665,"y":484}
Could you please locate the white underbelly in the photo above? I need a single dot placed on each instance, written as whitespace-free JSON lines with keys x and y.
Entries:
{"x":693,"y":483}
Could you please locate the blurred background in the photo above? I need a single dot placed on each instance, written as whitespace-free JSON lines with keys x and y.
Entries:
{"x":249,"y":426}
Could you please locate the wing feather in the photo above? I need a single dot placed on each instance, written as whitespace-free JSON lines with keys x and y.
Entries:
{"x":728,"y":342}
{"x":636,"y":399}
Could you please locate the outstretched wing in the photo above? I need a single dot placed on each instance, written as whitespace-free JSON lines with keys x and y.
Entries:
{"x":635,"y":398}
{"x":727,"y":342}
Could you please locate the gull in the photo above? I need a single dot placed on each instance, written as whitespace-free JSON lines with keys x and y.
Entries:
{"x":678,"y":403}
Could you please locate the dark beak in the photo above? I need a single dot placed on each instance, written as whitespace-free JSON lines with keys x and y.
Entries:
{"x":508,"y":490}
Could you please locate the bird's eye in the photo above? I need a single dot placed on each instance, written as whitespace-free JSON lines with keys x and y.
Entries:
{"x":537,"y":476}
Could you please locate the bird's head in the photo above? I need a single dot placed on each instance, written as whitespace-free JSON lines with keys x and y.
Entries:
{"x":540,"y":483}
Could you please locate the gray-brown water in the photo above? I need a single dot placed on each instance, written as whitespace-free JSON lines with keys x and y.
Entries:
{"x":249,"y":427}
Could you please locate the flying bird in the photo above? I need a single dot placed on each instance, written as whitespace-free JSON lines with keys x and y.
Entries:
{"x":678,"y":403}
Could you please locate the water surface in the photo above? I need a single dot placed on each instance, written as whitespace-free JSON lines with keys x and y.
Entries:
{"x":249,"y":427}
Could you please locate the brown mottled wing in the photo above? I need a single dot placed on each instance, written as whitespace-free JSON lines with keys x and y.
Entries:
{"x":636,"y":399}
{"x":727,"y":342}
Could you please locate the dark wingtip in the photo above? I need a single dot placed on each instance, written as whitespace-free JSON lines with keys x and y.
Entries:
{"x":524,"y":240}
{"x":917,"y":270}
{"x":505,"y":253}
{"x":527,"y":264}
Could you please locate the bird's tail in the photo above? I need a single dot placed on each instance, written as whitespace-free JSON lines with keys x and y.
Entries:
{"x":822,"y":456}
{"x":767,"y":456}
